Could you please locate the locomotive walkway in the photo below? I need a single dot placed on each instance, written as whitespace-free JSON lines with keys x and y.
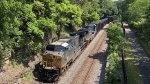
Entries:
{"x":143,"y":60}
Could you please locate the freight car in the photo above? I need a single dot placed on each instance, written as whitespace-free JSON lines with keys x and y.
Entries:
{"x":62,"y":53}
{"x":112,"y":18}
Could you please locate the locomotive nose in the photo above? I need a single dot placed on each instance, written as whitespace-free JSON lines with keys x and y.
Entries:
{"x":52,"y":61}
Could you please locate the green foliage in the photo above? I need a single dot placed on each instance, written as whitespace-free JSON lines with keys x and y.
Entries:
{"x":122,"y":6}
{"x":141,"y":19}
{"x":137,"y":10}
{"x":137,"y":13}
{"x":14,"y":63}
{"x":115,"y":35}
{"x":108,"y":7}
{"x":28,"y":25}
{"x":114,"y":69}
{"x":89,"y":11}
{"x":95,"y":9}
{"x":28,"y":76}
{"x":114,"y":73}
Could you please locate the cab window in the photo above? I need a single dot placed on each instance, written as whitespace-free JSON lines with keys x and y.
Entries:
{"x":59,"y":48}
{"x":50,"y":47}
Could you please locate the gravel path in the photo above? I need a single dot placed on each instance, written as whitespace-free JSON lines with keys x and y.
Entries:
{"x":143,"y":60}
{"x":71,"y":76}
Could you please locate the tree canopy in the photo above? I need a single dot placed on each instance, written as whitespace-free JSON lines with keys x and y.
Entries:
{"x":29,"y":25}
{"x":137,"y":13}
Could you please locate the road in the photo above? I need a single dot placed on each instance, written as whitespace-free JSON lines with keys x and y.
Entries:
{"x":143,"y":60}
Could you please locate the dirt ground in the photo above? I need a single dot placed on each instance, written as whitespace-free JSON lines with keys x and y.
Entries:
{"x":14,"y":72}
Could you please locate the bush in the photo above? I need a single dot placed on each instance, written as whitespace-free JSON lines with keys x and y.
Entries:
{"x":114,"y":73}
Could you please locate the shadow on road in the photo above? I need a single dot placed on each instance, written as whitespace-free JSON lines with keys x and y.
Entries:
{"x":142,"y":58}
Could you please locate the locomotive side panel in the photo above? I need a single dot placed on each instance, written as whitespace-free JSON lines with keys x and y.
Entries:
{"x":68,"y":56}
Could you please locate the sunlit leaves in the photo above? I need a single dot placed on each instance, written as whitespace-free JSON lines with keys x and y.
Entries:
{"x":115,"y":36}
{"x":39,"y":9}
{"x":29,"y":23}
{"x":45,"y":22}
{"x":137,"y":9}
{"x":138,"y":16}
{"x":32,"y":28}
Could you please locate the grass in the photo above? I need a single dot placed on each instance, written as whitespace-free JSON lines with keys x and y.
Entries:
{"x":28,"y":76}
{"x":14,"y":63}
{"x":133,"y":72}
{"x":145,"y":46}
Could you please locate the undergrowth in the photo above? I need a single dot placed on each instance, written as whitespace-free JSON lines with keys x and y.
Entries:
{"x":27,"y":76}
{"x":114,"y":70}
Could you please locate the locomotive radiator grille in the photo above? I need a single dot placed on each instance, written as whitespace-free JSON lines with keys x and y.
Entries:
{"x":52,"y":61}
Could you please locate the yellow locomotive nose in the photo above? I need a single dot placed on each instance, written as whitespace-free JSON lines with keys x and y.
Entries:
{"x":51,"y":61}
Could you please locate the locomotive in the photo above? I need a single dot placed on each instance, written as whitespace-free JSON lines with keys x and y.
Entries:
{"x":62,"y":53}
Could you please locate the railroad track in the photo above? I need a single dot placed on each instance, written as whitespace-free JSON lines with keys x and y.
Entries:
{"x":97,"y":49}
{"x":86,"y":68}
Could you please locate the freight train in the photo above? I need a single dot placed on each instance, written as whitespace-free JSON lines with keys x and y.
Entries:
{"x":59,"y":55}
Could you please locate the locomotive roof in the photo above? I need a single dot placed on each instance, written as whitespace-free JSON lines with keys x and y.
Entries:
{"x":94,"y":22}
{"x":91,"y":24}
{"x":104,"y":19}
{"x":62,"y":42}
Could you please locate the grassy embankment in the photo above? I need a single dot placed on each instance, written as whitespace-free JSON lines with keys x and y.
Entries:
{"x":114,"y":68}
{"x":28,"y":76}
{"x":145,"y":46}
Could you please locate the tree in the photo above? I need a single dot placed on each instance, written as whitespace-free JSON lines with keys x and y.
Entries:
{"x":91,"y":10}
{"x":136,"y":12}
{"x":27,"y":26}
{"x":65,"y":14}
{"x":9,"y":24}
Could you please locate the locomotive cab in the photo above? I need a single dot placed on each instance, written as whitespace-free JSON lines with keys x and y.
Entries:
{"x":53,"y":60}
{"x":52,"y":57}
{"x":93,"y":29}
{"x":58,"y":54}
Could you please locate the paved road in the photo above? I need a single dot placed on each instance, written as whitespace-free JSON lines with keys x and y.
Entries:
{"x":143,"y":59}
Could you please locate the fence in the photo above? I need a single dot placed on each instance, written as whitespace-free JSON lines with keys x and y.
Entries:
{"x":123,"y":56}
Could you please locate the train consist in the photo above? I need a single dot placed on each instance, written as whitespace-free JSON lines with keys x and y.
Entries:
{"x":62,"y":53}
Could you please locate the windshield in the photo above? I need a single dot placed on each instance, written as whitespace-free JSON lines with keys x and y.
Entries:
{"x":50,"y":47}
{"x":58,"y":48}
